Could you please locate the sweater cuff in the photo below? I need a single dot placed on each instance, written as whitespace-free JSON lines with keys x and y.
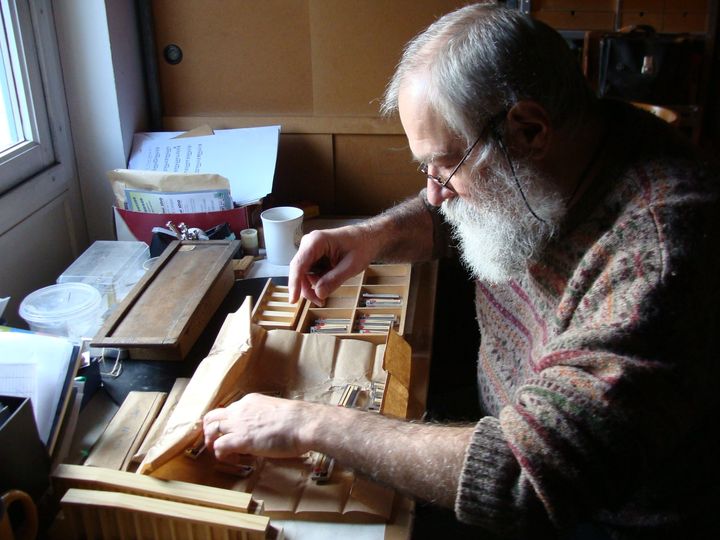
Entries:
{"x":489,"y":471}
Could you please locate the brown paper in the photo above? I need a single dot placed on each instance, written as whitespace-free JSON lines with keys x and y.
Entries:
{"x":214,"y":380}
{"x":312,"y":367}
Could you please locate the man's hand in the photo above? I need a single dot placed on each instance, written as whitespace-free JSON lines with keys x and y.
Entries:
{"x":259,"y":425}
{"x":420,"y":459}
{"x":346,"y":251}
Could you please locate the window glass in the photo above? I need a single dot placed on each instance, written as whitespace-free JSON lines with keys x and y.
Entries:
{"x":25,"y":142}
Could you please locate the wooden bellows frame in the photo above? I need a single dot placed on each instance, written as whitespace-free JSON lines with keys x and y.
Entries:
{"x":103,"y":503}
{"x":111,"y":515}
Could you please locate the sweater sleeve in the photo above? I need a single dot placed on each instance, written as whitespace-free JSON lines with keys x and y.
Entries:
{"x":615,"y":393}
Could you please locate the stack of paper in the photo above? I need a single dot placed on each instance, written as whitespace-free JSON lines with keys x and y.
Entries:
{"x":246,"y":157}
{"x":36,"y":366}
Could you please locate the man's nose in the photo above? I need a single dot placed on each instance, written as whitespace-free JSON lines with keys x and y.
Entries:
{"x":436,"y":193}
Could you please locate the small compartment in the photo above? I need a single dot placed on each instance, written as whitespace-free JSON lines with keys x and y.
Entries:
{"x":382,"y":296}
{"x":344,"y":297}
{"x":377,"y":321}
{"x":326,"y":321}
{"x":387,"y":274}
{"x":355,"y":280}
{"x":274,"y":309}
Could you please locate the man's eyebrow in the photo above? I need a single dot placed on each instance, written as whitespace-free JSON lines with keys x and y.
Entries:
{"x":429,"y":158}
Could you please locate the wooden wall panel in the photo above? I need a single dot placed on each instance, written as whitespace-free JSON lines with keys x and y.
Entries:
{"x":304,"y":170}
{"x":35,"y":252}
{"x":356,"y":45}
{"x":316,"y":67}
{"x":238,"y":56}
{"x":373,"y":172}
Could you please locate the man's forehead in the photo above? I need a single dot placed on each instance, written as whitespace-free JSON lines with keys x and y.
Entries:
{"x":427,"y":133}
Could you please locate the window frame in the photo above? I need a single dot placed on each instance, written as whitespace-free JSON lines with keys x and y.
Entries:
{"x":29,"y":157}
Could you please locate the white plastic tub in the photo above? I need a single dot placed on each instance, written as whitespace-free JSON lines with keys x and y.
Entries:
{"x":73,"y":310}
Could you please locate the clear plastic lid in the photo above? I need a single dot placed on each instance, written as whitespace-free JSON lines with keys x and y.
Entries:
{"x":61,"y":301}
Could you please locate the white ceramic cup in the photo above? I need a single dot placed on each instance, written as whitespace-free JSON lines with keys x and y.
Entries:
{"x":282,"y":229}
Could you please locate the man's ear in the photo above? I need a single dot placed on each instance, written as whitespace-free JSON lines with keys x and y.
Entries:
{"x":528,"y":129}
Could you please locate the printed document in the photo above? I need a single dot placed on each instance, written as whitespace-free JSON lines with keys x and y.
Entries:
{"x":246,"y":157}
{"x":177,"y":202}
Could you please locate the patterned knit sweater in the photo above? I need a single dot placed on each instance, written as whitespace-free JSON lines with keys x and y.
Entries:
{"x":598,"y":370}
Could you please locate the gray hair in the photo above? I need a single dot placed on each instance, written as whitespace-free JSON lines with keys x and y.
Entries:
{"x":482,"y":59}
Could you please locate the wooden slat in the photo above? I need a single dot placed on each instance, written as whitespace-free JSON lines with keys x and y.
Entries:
{"x":159,"y":425}
{"x":103,"y":507}
{"x":126,"y":430}
{"x":77,"y":476}
{"x":292,"y":124}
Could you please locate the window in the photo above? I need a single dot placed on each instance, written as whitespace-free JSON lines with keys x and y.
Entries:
{"x":25,"y":142}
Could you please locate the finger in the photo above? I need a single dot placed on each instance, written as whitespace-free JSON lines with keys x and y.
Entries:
{"x":310,"y":293}
{"x":228,"y":446}
{"x":212,"y":429}
{"x":214,"y":415}
{"x":299,"y":268}
{"x":313,"y":249}
{"x":334,"y":278}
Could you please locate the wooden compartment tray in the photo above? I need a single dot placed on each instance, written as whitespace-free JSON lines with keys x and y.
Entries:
{"x":360,"y":308}
{"x":164,"y":314}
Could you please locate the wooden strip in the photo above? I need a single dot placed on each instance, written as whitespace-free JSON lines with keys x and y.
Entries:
{"x":150,"y":418}
{"x":277,"y":324}
{"x":159,"y":425}
{"x":174,"y":514}
{"x":77,"y":476}
{"x":121,"y":311}
{"x":292,"y":124}
{"x":242,"y":266}
{"x":126,"y":430}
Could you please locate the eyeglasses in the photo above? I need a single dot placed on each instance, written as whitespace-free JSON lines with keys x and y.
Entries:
{"x":492,"y":127}
{"x":446,"y":182}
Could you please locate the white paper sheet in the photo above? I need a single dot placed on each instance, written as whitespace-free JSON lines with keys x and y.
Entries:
{"x":45,"y":358}
{"x":246,"y":157}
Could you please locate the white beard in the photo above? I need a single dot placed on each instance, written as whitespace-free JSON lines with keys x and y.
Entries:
{"x":498,"y":236}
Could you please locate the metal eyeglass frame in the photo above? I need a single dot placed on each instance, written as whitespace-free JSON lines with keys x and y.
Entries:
{"x":423,"y":168}
{"x":492,"y":126}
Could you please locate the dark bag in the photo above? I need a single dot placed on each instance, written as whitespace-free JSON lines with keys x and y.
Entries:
{"x":641,"y":65}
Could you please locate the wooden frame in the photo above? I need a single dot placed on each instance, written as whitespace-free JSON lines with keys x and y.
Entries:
{"x":272,"y":311}
{"x":165,"y":313}
{"x":107,"y":514}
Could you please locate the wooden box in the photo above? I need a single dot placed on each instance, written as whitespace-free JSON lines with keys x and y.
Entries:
{"x":164,"y":314}
{"x":348,"y":311}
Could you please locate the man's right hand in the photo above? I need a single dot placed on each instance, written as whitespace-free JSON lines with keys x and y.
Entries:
{"x":328,"y":258}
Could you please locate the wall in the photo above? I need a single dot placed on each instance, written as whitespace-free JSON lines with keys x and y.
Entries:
{"x":316,"y":67}
{"x":102,"y":68}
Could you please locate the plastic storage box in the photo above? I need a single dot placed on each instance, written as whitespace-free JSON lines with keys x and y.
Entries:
{"x":112,"y":267}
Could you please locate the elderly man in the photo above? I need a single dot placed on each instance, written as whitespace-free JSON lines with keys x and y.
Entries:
{"x":592,"y":231}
